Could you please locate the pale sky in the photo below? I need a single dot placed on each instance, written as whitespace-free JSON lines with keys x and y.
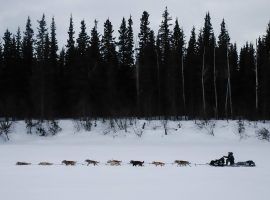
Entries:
{"x":245,"y":19}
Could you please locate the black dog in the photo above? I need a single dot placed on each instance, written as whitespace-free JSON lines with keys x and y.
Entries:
{"x":136,"y":163}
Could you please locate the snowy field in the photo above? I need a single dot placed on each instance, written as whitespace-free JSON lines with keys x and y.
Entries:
{"x":132,"y":183}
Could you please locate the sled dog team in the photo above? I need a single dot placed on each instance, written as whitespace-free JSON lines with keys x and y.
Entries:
{"x":216,"y":163}
{"x":135,"y":163}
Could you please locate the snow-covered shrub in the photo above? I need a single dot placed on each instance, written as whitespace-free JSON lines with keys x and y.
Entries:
{"x":179,"y":125}
{"x":6,"y":126}
{"x":112,"y":124}
{"x":86,"y":124}
{"x":121,"y":124}
{"x":53,"y":127}
{"x":206,"y":125}
{"x":77,"y":125}
{"x":201,"y":124}
{"x":263,"y":134}
{"x":111,"y":127}
{"x":42,"y":127}
{"x":241,"y":128}
{"x":138,"y":130}
{"x":83,"y":124}
{"x":31,"y":125}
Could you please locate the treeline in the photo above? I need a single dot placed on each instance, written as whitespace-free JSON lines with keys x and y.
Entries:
{"x":162,"y":75}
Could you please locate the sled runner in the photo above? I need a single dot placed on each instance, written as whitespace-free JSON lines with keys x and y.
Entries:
{"x":239,"y":164}
{"x":248,"y":163}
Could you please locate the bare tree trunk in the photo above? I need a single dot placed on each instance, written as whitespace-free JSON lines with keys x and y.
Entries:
{"x":203,"y":90}
{"x":165,"y":123}
{"x":137,"y":80}
{"x":42,"y":91}
{"x":138,"y":85}
{"x":215,"y":85}
{"x":226,"y":102}
{"x":228,"y":93}
{"x":257,"y":82}
{"x":158,"y":79}
{"x":183,"y":87}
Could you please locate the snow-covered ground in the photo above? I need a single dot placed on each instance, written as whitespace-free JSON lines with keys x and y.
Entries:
{"x":126,"y":182}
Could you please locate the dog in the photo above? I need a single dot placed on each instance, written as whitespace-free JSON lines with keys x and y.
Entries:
{"x":23,"y":163}
{"x":136,"y":163}
{"x":181,"y":163}
{"x":91,"y":162}
{"x":69,"y":162}
{"x":158,"y":163}
{"x":45,"y":163}
{"x":114,"y":162}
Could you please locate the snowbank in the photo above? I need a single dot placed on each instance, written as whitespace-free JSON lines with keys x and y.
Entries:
{"x":126,"y":182}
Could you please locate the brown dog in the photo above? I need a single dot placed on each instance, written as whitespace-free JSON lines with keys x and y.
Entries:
{"x":181,"y":163}
{"x":91,"y":162}
{"x":69,"y":162}
{"x":157,"y":163}
{"x":45,"y":163}
{"x":114,"y":162}
{"x":23,"y":163}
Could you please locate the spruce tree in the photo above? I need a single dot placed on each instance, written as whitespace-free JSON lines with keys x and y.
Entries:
{"x":9,"y":73}
{"x":108,"y":44}
{"x":193,"y":77}
{"x":95,"y":44}
{"x":41,"y":39}
{"x":53,"y":45}
{"x":165,"y":36}
{"x":247,"y":80}
{"x":18,"y":45}
{"x":70,"y":47}
{"x":178,"y":39}
{"x":167,"y":69}
{"x":95,"y":80}
{"x":143,"y":34}
{"x":264,"y":71}
{"x":130,"y":43}
{"x":178,"y":77}
{"x":122,"y":43}
{"x":40,"y":73}
{"x":235,"y":77}
{"x":1,"y":59}
{"x":147,"y":71}
{"x":7,"y":48}
{"x":27,"y":65}
{"x":79,"y":73}
{"x":206,"y":45}
{"x":109,"y":55}
{"x":125,"y":54}
{"x":47,"y":51}
{"x":222,"y":67}
{"x":83,"y":41}
{"x":27,"y":47}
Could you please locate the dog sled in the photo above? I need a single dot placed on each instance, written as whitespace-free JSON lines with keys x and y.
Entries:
{"x":230,"y":162}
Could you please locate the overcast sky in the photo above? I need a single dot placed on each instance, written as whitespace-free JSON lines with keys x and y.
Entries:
{"x":246,"y":19}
